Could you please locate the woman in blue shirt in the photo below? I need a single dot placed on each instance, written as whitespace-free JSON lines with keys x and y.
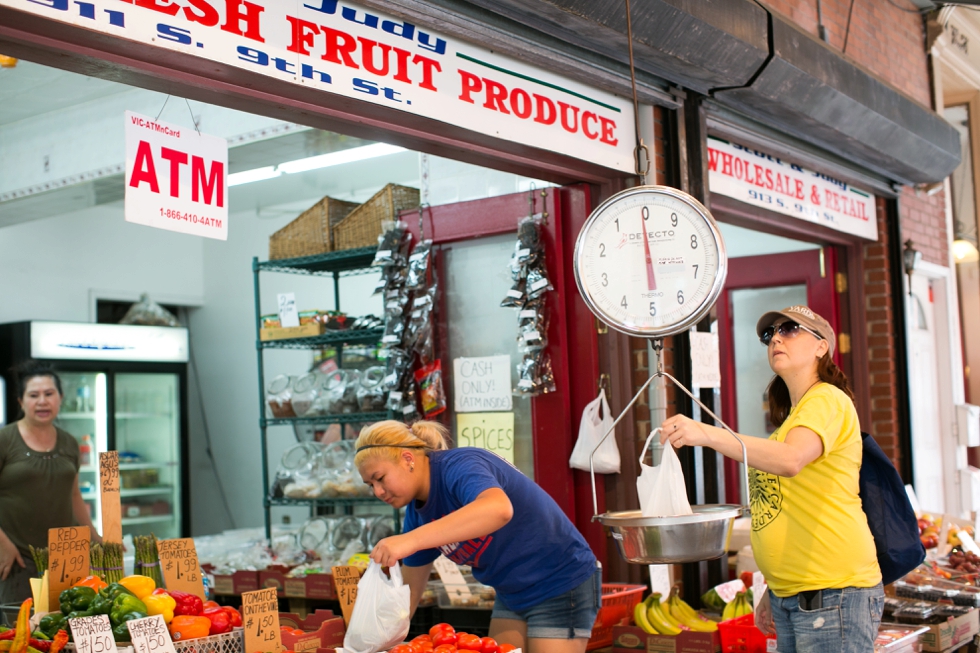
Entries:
{"x":479,"y":510}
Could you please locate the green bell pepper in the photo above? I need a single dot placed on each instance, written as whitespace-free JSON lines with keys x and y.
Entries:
{"x":76,"y":599}
{"x":120,"y":631}
{"x":113,"y":590}
{"x":77,"y":614}
{"x":125,"y":605}
{"x":100,"y":605}
{"x":51,"y":623}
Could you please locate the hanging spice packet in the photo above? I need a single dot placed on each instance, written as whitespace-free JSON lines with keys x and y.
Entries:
{"x":391,"y":244}
{"x":418,"y":265}
{"x":431,"y":392}
{"x":537,"y":282}
{"x":515,"y":296}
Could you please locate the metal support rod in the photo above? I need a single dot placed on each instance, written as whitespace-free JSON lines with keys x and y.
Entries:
{"x":658,"y":346}
{"x":262,"y":424}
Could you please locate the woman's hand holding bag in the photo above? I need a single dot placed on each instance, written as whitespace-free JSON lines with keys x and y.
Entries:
{"x":381,"y":613}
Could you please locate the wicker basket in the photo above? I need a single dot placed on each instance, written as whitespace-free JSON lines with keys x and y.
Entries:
{"x":312,"y":232}
{"x":363,"y":226}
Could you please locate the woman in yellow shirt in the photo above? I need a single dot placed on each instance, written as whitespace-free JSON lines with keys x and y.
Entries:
{"x":810,"y":535}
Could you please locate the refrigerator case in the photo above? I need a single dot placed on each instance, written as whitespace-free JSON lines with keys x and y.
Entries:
{"x":125,"y":389}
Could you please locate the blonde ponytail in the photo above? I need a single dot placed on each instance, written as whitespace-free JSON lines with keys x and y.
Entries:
{"x":386,"y":439}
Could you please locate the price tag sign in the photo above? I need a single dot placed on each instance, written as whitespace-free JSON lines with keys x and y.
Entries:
{"x":260,"y":617}
{"x":93,"y":634}
{"x":150,"y":635}
{"x":181,"y":569}
{"x":67,"y":560}
{"x":288,"y":317}
{"x":452,"y":578}
{"x":109,"y":489}
{"x":346,"y":580}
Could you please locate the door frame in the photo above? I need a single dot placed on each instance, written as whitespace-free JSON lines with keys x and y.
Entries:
{"x":572,"y":344}
{"x":958,"y":487}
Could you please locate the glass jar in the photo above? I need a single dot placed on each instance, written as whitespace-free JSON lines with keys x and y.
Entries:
{"x":346,"y":530}
{"x":300,"y":472}
{"x":379,"y":528}
{"x":279,"y":396}
{"x":305,"y":392}
{"x":314,"y":534}
{"x":339,"y":389}
{"x":371,"y":393}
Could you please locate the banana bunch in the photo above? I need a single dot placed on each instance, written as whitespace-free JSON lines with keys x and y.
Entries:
{"x":737,"y":607}
{"x":682,"y":612}
{"x":655,"y":618}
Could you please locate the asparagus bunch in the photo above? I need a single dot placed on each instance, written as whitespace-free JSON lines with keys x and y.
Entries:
{"x":148,"y":558}
{"x":95,"y":556}
{"x":40,"y":559}
{"x":112,"y":561}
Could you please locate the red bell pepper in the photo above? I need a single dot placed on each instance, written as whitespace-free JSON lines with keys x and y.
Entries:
{"x":187,"y":604}
{"x":220,"y":621}
{"x":233,"y":615}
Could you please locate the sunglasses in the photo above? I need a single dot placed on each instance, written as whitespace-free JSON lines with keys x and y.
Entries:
{"x":788,"y":329}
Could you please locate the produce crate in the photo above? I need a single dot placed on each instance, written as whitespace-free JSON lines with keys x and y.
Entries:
{"x":310,"y":233}
{"x":618,"y":601}
{"x":362,"y":226}
{"x":740,"y":634}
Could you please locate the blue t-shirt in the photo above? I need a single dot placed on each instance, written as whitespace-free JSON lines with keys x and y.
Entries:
{"x":536,"y":556}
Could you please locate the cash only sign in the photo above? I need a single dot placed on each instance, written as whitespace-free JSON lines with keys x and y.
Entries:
{"x":344,"y":49}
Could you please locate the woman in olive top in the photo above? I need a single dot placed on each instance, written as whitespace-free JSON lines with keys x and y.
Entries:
{"x":38,"y":480}
{"x":810,"y":535}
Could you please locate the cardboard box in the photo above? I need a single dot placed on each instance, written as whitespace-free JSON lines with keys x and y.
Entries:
{"x":236,"y":583}
{"x":628,"y":639}
{"x":274,"y":576}
{"x":323,"y":629}
{"x":282,"y":333}
{"x":953,"y":632}
{"x":311,"y":586}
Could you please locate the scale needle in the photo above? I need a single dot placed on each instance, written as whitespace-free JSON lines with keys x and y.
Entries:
{"x":651,"y":279}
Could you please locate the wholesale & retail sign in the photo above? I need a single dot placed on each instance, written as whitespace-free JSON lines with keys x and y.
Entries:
{"x":763,"y":180}
{"x":176,"y":178}
{"x":341,"y":48}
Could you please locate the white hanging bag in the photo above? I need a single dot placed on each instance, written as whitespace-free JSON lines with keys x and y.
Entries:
{"x":596,"y":422}
{"x":662,"y":490}
{"x":380,"y":618}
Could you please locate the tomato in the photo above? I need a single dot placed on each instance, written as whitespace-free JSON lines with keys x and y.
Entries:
{"x":507,"y":648}
{"x":444,"y":637}
{"x":422,"y":638}
{"x":445,"y":648}
{"x":489,"y":645}
{"x":438,"y":628}
{"x":468,"y":642}
{"x":402,"y":648}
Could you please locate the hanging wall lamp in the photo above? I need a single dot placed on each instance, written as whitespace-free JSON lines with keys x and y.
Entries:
{"x":910,"y":258}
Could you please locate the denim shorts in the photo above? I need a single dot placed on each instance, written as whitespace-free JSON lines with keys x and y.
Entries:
{"x":568,"y":616}
{"x":846,"y":623}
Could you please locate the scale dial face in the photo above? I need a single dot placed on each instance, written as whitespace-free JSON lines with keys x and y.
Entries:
{"x":650,"y":261}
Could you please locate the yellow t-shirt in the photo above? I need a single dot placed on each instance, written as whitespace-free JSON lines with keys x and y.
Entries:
{"x":809,"y":532}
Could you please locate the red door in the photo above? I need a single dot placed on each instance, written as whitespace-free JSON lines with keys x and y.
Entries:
{"x":757,"y":284}
{"x":474,"y":241}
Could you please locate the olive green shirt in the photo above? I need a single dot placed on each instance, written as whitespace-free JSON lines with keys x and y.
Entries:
{"x":35,"y":487}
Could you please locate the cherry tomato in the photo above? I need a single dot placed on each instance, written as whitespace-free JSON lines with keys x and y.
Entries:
{"x":444,"y":637}
{"x":445,"y":648}
{"x":469,"y":642}
{"x":489,"y":645}
{"x":438,"y":628}
{"x":402,"y":648}
{"x":507,"y":648}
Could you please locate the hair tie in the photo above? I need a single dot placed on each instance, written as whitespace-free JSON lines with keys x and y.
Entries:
{"x":395,"y":446}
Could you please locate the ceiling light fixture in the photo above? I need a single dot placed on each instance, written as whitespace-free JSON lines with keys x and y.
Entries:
{"x":314,"y":163}
{"x":964,"y":251}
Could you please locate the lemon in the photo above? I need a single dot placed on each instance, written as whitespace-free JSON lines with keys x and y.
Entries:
{"x":359,"y":560}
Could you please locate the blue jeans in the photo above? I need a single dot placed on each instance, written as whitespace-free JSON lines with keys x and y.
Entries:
{"x":846,"y":623}
{"x":568,"y":616}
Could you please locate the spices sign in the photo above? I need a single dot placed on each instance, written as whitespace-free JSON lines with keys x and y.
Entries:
{"x":491,"y":431}
{"x":763,"y":180}
{"x":482,"y":384}
{"x":176,"y":178}
{"x":344,"y":49}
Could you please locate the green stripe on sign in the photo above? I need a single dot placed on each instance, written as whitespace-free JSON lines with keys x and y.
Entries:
{"x":536,"y":81}
{"x":855,"y":190}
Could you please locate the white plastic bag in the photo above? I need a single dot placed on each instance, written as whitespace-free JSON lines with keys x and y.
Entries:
{"x":381,"y":613}
{"x":596,"y":421}
{"x":662,"y":490}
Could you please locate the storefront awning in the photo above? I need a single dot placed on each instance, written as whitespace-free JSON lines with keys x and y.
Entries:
{"x":760,"y":64}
